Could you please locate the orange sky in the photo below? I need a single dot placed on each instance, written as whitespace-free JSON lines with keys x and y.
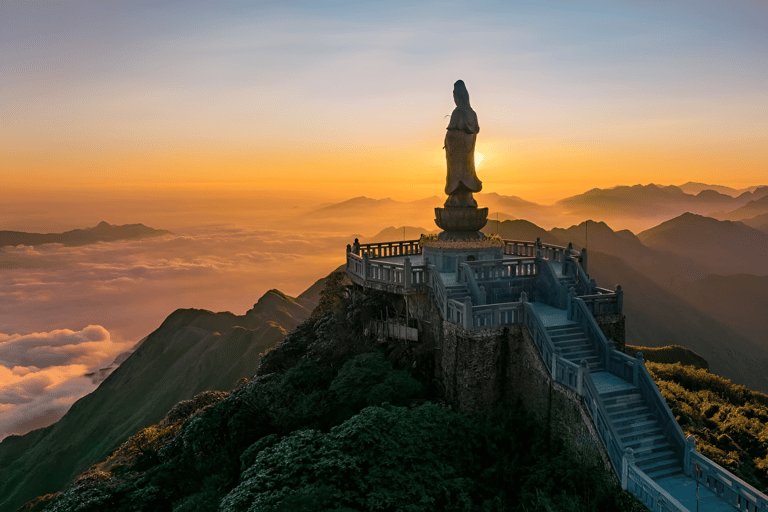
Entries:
{"x":352,"y":99}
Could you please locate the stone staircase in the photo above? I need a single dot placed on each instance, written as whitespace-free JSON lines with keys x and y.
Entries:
{"x":638,"y":429}
{"x":574,"y":345}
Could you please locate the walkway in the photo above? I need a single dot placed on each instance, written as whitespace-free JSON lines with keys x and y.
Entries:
{"x":639,"y":430}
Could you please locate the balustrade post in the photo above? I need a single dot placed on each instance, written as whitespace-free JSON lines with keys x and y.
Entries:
{"x":468,"y":320}
{"x":626,"y":461}
{"x":365,"y":265}
{"x":407,"y":271}
{"x":584,"y":259}
{"x":619,"y":299}
{"x":580,"y":382}
{"x":639,"y":362}
{"x":690,"y":448}
{"x":555,"y":356}
{"x":483,"y":297}
{"x":592,"y":285}
{"x":569,"y":314}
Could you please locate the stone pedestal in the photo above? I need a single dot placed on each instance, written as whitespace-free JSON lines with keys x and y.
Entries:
{"x":461,"y":223}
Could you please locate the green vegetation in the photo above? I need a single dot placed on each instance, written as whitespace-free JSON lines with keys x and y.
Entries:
{"x":729,"y":421}
{"x":331,"y":424}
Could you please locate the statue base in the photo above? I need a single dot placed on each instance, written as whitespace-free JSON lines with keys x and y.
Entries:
{"x":461,"y":223}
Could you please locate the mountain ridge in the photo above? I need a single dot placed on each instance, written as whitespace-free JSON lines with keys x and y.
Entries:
{"x":193,"y":350}
{"x":102,"y":232}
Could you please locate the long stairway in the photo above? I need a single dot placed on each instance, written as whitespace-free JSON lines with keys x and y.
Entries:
{"x":635,"y":424}
{"x":574,"y":345}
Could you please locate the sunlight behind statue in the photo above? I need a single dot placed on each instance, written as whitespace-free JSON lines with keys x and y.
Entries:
{"x":460,"y":138}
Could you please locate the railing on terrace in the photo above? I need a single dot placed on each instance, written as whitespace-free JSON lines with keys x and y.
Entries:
{"x":529,"y":249}
{"x":488,"y":315}
{"x":388,"y":249}
{"x":486,"y":270}
{"x":604,"y":301}
{"x":386,"y":272}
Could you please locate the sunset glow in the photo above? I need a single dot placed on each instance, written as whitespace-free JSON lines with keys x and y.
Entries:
{"x":239,"y":126}
{"x":149,"y":95}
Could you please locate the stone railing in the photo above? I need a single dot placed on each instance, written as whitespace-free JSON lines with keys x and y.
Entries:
{"x":539,"y":334}
{"x":649,"y":492}
{"x":632,"y":369}
{"x":584,"y":285}
{"x":502,"y":270}
{"x":471,"y":317}
{"x":722,"y":482}
{"x":604,"y":301}
{"x":530,"y":249}
{"x":579,"y":313}
{"x":389,"y":249}
{"x":496,"y":314}
{"x":400,"y":275}
{"x":599,"y":414}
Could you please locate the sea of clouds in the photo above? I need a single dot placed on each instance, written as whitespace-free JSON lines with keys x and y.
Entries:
{"x":70,"y":311}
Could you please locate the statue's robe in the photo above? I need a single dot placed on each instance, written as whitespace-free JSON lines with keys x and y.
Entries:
{"x":460,"y":150}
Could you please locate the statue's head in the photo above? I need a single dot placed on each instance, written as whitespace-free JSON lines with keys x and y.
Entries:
{"x":460,"y":93}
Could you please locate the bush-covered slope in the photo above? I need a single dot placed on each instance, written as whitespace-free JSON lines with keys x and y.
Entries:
{"x":729,"y":421}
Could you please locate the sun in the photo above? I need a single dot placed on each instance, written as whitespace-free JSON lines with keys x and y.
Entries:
{"x":479,"y":157}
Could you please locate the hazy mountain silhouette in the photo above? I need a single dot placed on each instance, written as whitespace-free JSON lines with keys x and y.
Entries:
{"x":751,"y":209}
{"x":694,"y":188}
{"x":103,"y":232}
{"x":759,"y":222}
{"x":648,"y":200}
{"x":738,"y":300}
{"x":723,"y":247}
{"x":192,"y":351}
{"x":656,"y":317}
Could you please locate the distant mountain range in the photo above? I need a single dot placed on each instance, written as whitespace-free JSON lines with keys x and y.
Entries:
{"x":637,"y":207}
{"x":722,"y":247}
{"x":694,"y":188}
{"x":192,"y":351}
{"x":103,"y":232}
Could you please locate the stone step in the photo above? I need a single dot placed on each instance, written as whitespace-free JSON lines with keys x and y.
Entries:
{"x":650,"y":458}
{"x":656,"y":446}
{"x":627,"y":401}
{"x":665,"y":473}
{"x":627,"y":408}
{"x":569,"y":340}
{"x":635,"y":425}
{"x":566,"y":327}
{"x":658,"y":441}
{"x":573,"y":349}
{"x":628,"y":421}
{"x":641,"y":434}
{"x":661,"y":465}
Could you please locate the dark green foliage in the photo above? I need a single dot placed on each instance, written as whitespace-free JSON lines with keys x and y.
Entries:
{"x":368,"y":379}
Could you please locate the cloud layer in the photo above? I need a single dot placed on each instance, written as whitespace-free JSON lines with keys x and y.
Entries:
{"x":69,"y":311}
{"x":43,"y":373}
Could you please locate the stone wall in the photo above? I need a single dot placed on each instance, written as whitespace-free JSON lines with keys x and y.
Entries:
{"x":481,"y":370}
{"x":613,"y":328}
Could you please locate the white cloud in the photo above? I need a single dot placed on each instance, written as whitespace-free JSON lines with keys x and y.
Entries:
{"x":43,"y":373}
